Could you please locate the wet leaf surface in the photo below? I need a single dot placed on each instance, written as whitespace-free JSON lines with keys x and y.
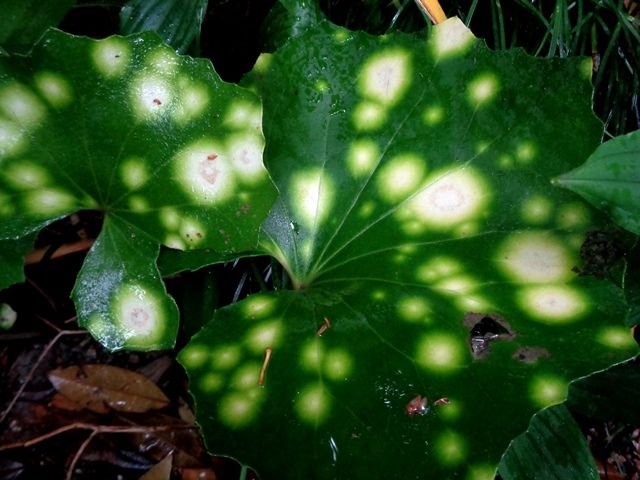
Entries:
{"x":415,"y":191}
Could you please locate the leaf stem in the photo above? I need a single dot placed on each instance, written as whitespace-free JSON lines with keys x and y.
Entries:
{"x":432,"y":9}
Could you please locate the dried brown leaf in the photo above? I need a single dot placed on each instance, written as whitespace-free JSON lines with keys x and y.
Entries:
{"x":100,"y":387}
{"x":160,"y":471}
{"x":198,"y":474}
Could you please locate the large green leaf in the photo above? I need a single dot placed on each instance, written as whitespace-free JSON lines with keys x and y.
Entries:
{"x":552,"y":448}
{"x":610,"y":180}
{"x":23,"y":21}
{"x":419,"y":226}
{"x":178,"y":22}
{"x":157,"y":141}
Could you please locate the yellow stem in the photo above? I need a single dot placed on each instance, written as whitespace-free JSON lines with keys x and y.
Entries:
{"x":433,"y":10}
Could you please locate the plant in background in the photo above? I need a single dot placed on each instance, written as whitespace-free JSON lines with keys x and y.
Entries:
{"x":435,"y":304}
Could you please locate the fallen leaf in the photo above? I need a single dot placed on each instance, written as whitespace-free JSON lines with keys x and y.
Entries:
{"x":161,"y":470}
{"x":61,"y":402}
{"x":198,"y":474}
{"x":100,"y":387}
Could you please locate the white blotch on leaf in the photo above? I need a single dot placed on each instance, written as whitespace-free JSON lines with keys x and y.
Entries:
{"x":20,"y":105}
{"x":553,"y":304}
{"x":450,"y":198}
{"x":386,"y":76}
{"x":547,"y":389}
{"x":111,"y":56}
{"x":265,"y":334}
{"x":54,"y":88}
{"x":138,"y":314}
{"x":193,"y":98}
{"x":313,"y":196}
{"x":258,"y":307}
{"x":573,"y":215}
{"x":437,"y":268}
{"x":456,"y":285}
{"x":26,"y":175}
{"x":400,"y":177}
{"x":483,"y":89}
{"x":203,"y":172}
{"x":138,"y":203}
{"x":243,"y":114}
{"x":535,"y":257}
{"x":526,"y":152}
{"x":451,"y":448}
{"x":362,"y":157}
{"x":413,"y":309}
{"x":134,"y":172}
{"x":338,"y":364}
{"x":49,"y":201}
{"x":194,"y":355}
{"x":313,"y":405}
{"x":11,"y":138}
{"x":151,"y":95}
{"x":239,"y":409}
{"x":174,"y":241}
{"x":245,"y":154}
{"x":311,"y":355}
{"x":225,"y":357}
{"x":433,"y":115}
{"x":450,"y":38}
{"x":440,"y":352}
{"x":192,"y":232}
{"x":536,"y":209}
{"x":368,"y":116}
{"x":616,"y":337}
{"x":162,"y":61}
{"x":170,"y":218}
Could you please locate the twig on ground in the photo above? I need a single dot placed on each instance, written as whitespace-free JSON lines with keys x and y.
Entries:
{"x":44,"y":353}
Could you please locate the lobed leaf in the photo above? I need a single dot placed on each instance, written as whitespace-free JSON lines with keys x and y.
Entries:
{"x":610,"y":180}
{"x":170,"y":153}
{"x":435,"y":307}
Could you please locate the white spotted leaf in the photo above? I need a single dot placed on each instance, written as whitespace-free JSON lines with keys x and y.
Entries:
{"x":416,"y":208}
{"x":169,"y":152}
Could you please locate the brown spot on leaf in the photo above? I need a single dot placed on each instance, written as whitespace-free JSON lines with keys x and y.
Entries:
{"x":212,"y":156}
{"x":139,"y":317}
{"x":208,"y":171}
{"x":156,"y":101}
{"x":530,"y":355}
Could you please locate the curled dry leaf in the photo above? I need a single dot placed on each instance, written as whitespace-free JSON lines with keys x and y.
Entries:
{"x":161,"y":470}
{"x":100,"y":387}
